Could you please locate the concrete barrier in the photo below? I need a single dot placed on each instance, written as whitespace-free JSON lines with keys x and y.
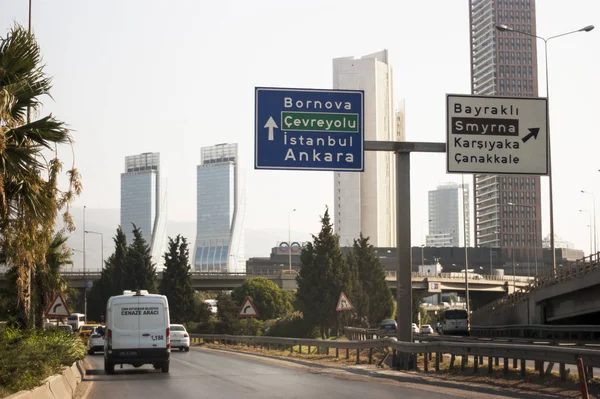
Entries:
{"x":60,"y":386}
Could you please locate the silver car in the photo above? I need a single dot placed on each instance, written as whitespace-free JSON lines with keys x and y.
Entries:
{"x":179,"y":337}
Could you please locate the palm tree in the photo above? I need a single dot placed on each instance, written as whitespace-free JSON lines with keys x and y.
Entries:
{"x":29,"y":196}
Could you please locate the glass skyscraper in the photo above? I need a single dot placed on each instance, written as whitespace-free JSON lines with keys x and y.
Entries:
{"x":144,"y":202}
{"x":219,"y":232}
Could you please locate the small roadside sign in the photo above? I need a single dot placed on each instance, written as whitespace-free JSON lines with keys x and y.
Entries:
{"x":498,"y":135}
{"x":248,"y":309}
{"x":343,"y":303}
{"x":58,"y":308}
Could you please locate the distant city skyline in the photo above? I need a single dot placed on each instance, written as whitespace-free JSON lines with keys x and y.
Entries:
{"x":208,"y":97}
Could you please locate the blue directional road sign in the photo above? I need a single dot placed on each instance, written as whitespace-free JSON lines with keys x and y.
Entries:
{"x":309,"y":129}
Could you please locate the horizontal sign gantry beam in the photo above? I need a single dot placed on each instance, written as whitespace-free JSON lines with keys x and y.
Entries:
{"x":404,"y":146}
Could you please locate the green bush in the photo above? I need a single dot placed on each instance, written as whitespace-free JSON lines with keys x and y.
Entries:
{"x":293,"y":326}
{"x":27,"y":357}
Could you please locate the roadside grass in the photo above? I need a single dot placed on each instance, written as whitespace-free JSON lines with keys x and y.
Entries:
{"x":549,"y":384}
{"x":28,"y":357}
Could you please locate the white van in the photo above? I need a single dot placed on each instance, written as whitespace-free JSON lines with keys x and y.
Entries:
{"x":137,"y":331}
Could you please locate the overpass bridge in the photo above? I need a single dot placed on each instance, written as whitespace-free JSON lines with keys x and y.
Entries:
{"x":423,"y":282}
{"x":569,"y":296}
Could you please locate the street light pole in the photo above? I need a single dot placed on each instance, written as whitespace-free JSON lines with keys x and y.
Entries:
{"x":594,"y":210}
{"x":101,"y":248}
{"x":590,"y":226}
{"x":84,"y":241}
{"x":290,"y":236}
{"x":506,"y":28}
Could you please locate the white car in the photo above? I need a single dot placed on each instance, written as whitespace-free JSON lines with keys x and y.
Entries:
{"x":95,"y":341}
{"x":415,"y":328}
{"x":179,"y":337}
{"x":426,"y":329}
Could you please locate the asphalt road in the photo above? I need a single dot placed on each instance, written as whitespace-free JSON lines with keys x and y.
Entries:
{"x":203,"y":373}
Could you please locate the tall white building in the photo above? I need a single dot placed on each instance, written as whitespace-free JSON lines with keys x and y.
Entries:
{"x":448,"y":215}
{"x":219,"y":243}
{"x":144,"y":202}
{"x":366,"y":201}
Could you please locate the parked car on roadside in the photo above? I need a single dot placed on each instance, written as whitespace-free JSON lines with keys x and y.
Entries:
{"x":388,"y":324}
{"x":426,"y":329}
{"x":415,"y":328}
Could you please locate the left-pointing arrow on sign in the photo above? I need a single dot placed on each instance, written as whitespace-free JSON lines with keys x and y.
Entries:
{"x":271,"y":125}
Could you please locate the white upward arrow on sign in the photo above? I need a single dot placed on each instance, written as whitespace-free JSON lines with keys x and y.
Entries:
{"x":271,"y":125}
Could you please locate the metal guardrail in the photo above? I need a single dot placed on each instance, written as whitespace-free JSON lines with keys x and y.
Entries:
{"x":538,"y":353}
{"x":585,"y":336}
{"x":579,"y":268}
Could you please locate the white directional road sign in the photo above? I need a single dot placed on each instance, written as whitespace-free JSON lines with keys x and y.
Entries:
{"x":58,"y":308}
{"x":499,"y":135}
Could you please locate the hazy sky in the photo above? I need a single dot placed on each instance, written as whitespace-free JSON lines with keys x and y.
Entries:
{"x":134,"y":76}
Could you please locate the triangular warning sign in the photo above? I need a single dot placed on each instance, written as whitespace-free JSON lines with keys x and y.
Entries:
{"x":343,"y":303}
{"x":58,"y":308}
{"x":248,"y":309}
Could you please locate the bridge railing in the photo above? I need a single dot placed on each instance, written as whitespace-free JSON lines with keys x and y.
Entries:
{"x":490,"y":350}
{"x":570,"y":271}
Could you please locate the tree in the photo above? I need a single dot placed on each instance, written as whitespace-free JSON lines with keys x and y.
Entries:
{"x":323,"y":276}
{"x":372,"y":296}
{"x":113,"y":278}
{"x":48,"y":281}
{"x":227,"y":313}
{"x":30,"y":198}
{"x":138,"y":261}
{"x":176,"y":283}
{"x":269,"y":300}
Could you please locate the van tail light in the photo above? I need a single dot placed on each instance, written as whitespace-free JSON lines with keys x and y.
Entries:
{"x":185,"y":335}
{"x":168,"y":338}
{"x":109,"y":338}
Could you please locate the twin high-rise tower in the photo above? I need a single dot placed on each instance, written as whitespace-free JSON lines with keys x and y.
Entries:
{"x":219,"y":243}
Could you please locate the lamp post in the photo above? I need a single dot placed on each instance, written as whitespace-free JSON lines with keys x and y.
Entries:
{"x":101,"y":248}
{"x":590,"y":226}
{"x":491,"y":268}
{"x":594,"y":210}
{"x":290,"y":236}
{"x":506,"y":28}
{"x":84,"y":241}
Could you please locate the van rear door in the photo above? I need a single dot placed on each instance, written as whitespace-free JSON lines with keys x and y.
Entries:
{"x":154,"y":323}
{"x":126,"y":323}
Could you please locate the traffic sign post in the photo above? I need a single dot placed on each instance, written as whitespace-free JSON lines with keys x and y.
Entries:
{"x":498,"y":135}
{"x":309,"y":129}
{"x":248,"y":310}
{"x":58,"y":308}
{"x":343,"y":303}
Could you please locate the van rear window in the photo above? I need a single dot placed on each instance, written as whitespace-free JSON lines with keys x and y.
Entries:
{"x":455,"y":314}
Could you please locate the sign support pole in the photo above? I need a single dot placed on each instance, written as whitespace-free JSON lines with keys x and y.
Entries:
{"x":403,"y":241}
